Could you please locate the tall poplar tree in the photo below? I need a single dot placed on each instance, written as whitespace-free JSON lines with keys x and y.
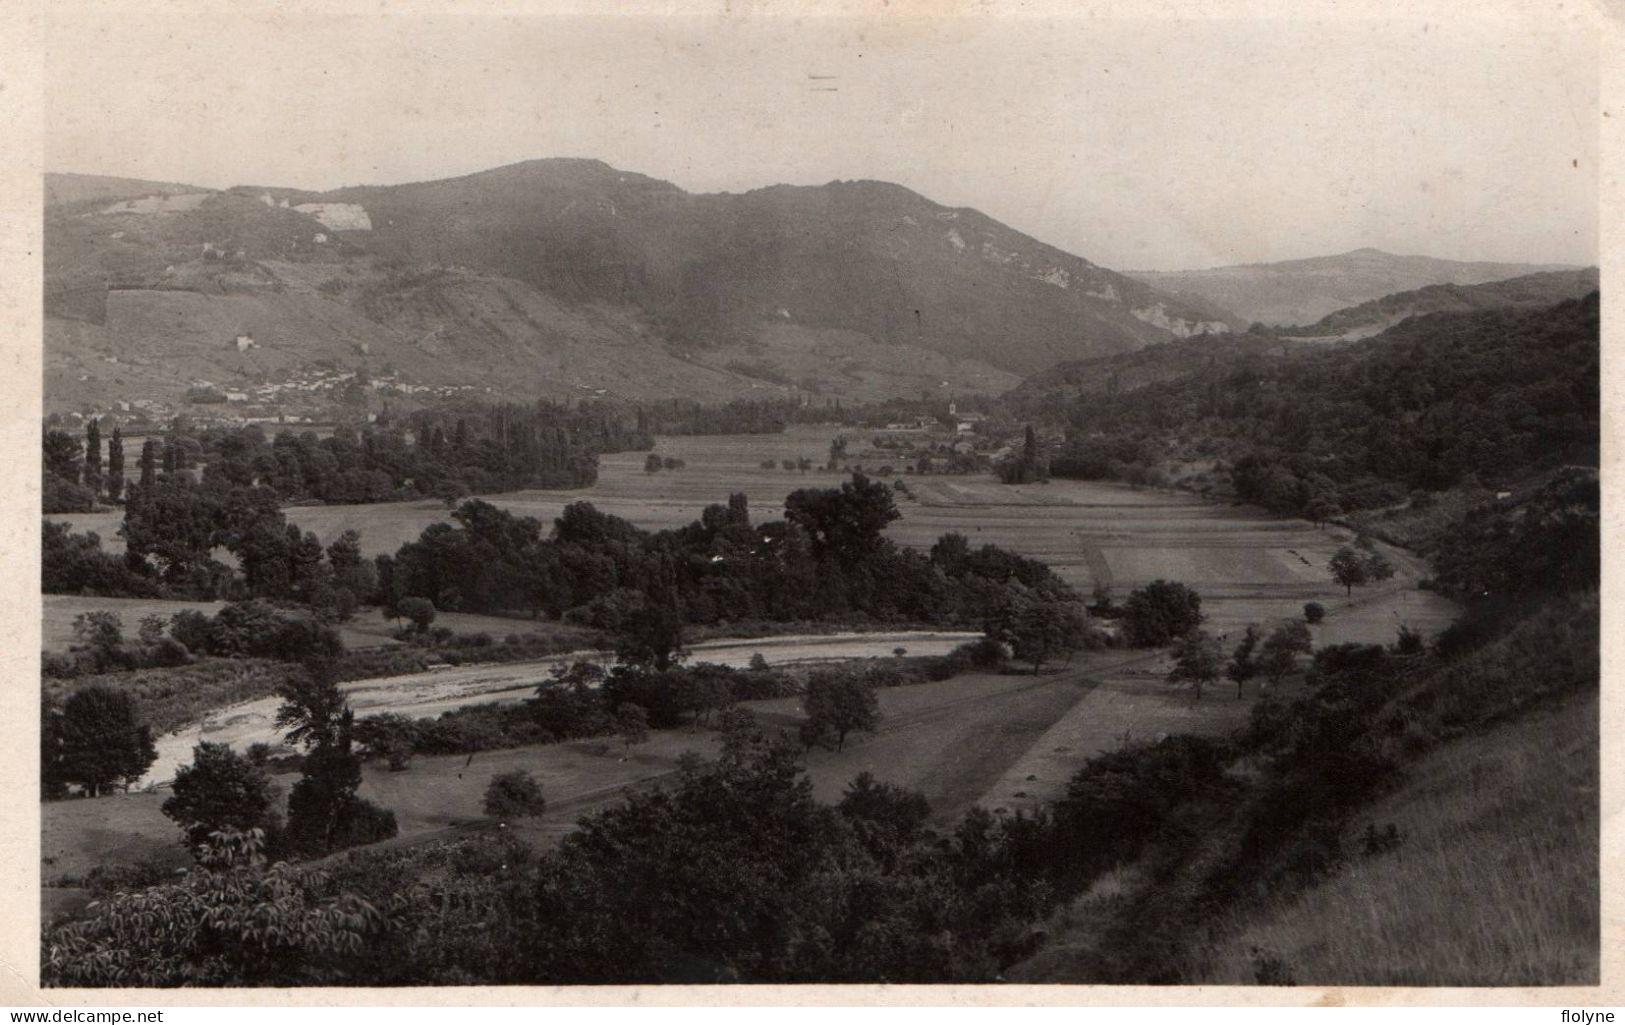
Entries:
{"x":93,"y":456}
{"x":115,"y":465}
{"x":149,"y":462}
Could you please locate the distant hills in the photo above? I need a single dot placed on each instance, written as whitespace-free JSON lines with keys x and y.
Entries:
{"x":1531,"y":290}
{"x":570,"y":278}
{"x":1304,"y":291}
{"x":1241,"y":353}
{"x":557,"y":278}
{"x":71,"y":189}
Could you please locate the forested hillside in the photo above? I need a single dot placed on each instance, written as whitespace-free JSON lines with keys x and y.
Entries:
{"x":1490,"y":400}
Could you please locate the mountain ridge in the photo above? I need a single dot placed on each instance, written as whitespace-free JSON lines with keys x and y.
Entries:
{"x":1302,"y":291}
{"x":1377,"y":315}
{"x":852,"y":289}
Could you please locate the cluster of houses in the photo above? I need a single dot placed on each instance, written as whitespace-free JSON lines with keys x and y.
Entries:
{"x":963,"y":423}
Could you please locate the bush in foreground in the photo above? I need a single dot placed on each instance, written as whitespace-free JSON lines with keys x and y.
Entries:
{"x":513,"y":794}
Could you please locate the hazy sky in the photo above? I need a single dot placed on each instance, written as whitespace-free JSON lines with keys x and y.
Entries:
{"x":1137,"y":144}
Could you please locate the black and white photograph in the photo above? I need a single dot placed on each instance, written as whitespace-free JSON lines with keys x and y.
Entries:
{"x":539,"y":494}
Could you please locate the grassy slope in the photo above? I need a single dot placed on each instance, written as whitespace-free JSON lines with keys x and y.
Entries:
{"x":1495,"y":884}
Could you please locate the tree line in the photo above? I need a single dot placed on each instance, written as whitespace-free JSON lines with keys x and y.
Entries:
{"x":442,"y":453}
{"x":827,"y":557}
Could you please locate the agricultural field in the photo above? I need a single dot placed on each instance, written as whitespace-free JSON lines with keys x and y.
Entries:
{"x":949,"y":740}
{"x":1248,"y":566}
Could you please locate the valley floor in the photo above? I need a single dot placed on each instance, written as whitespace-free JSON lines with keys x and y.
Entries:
{"x":1248,"y":565}
{"x":999,"y":741}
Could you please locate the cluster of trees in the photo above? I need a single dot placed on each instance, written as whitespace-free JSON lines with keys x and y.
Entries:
{"x":513,"y":794}
{"x":172,"y":527}
{"x":1159,"y":613}
{"x":95,"y":740}
{"x":222,"y":793}
{"x":1039,"y":631}
{"x":1548,"y":542}
{"x":1199,"y":658}
{"x":837,"y":703}
{"x":100,"y":646}
{"x":77,"y":564}
{"x":827,"y":558}
{"x":447,"y":454}
{"x":257,"y":629}
{"x":1028,"y":466}
{"x":802,"y":464}
{"x":471,"y":450}
{"x":75,"y":477}
{"x":1130,"y":458}
{"x":1433,"y":403}
{"x":1360,"y":565}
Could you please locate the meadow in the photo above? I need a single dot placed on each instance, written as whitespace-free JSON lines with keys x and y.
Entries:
{"x":959,"y":742}
{"x":951,"y":739}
